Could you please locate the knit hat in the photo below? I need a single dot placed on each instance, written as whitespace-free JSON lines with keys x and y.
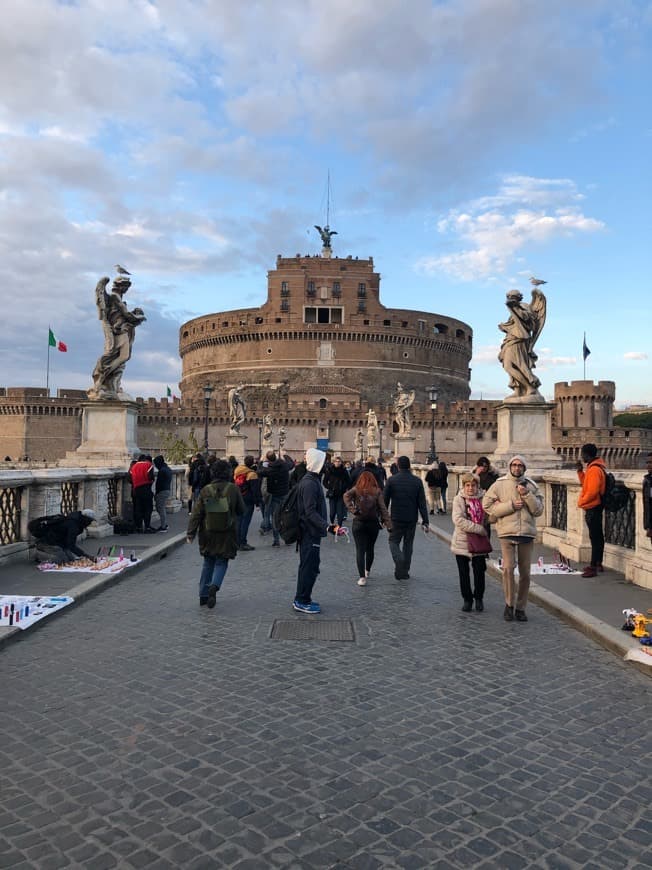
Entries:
{"x":518,"y":458}
{"x":88,"y":513}
{"x":315,"y":459}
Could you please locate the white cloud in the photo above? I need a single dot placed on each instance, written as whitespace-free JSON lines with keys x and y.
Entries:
{"x":496,"y":229}
{"x":635,"y":354}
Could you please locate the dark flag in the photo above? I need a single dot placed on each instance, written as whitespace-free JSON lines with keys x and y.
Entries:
{"x":585,"y":350}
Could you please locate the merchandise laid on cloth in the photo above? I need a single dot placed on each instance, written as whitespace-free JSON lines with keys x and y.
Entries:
{"x":22,"y":611}
{"x":104,"y":563}
{"x":541,"y":567}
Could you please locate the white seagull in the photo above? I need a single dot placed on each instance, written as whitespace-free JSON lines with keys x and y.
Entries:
{"x":121,"y":270}
{"x":537,"y":282}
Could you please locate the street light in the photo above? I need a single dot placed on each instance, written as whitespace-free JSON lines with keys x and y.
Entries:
{"x":260,"y":437}
{"x":208,"y":392}
{"x":432,"y":395}
{"x":381,"y":426}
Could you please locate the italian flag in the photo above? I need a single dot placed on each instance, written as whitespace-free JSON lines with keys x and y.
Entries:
{"x":53,"y":341}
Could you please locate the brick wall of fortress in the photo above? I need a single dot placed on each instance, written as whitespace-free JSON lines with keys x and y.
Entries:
{"x":356,"y":341}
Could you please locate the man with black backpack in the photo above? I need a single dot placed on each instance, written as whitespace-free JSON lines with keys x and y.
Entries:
{"x":277,"y":475}
{"x":214,"y":516}
{"x":593,"y":480}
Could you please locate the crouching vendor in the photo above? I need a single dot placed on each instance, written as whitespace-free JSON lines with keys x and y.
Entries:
{"x":56,"y":536}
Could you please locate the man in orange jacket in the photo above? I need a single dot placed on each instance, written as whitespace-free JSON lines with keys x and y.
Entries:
{"x":593,"y":481}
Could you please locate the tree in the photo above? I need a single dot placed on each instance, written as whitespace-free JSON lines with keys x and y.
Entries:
{"x":634,"y":421}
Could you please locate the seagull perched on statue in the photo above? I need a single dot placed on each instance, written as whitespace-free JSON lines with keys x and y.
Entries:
{"x":537,"y":282}
{"x":121,"y":270}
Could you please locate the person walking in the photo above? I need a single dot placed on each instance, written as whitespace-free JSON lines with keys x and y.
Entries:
{"x":370,"y":466}
{"x":513,"y":502}
{"x":246,"y":479}
{"x":162,"y":491}
{"x":336,"y":480}
{"x":594,"y":481}
{"x":313,"y":526}
{"x":366,"y":504}
{"x":469,"y":519}
{"x":405,"y":499}
{"x":433,"y":487}
{"x":443,"y":486}
{"x":277,"y":473}
{"x":214,"y":520}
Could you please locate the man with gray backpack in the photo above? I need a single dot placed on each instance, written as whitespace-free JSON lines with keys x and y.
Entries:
{"x":214,"y":519}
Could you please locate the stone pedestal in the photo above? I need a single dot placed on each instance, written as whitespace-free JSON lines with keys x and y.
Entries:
{"x":373,"y":449}
{"x":404,"y":446}
{"x":236,"y":445}
{"x":526,"y":428}
{"x":108,"y":436}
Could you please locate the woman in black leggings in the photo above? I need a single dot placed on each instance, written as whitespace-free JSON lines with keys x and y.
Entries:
{"x":366,"y":505}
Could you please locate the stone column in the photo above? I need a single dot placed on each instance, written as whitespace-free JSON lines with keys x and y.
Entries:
{"x":108,"y":436}
{"x":404,"y":446}
{"x":525,"y":427}
{"x":236,"y":445}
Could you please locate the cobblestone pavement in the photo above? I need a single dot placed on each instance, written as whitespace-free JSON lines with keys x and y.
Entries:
{"x":142,"y":731}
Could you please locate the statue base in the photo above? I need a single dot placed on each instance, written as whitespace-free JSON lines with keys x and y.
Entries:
{"x":526,"y":428}
{"x":108,"y":436}
{"x":236,"y":445}
{"x":373,"y":449}
{"x":404,"y":446}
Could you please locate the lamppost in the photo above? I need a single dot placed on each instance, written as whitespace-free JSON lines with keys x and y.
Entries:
{"x":381,"y":426}
{"x":432,"y":395}
{"x":208,"y":392}
{"x":260,"y":437}
{"x":466,"y":433}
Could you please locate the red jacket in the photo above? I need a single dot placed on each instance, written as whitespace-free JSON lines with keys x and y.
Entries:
{"x":141,"y":474}
{"x":593,"y":482}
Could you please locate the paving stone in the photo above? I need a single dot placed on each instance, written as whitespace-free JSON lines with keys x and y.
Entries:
{"x":174,"y":737}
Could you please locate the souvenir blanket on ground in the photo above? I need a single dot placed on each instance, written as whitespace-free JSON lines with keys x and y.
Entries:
{"x":24,"y":610}
{"x":541,"y":568}
{"x":84,"y":566}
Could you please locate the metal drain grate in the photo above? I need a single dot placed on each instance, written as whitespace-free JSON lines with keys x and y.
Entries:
{"x":313,"y":629}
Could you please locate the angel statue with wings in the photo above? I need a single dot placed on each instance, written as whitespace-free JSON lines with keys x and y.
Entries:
{"x":119,"y":325}
{"x":402,"y":404}
{"x":517,"y":350}
{"x":326,"y":234}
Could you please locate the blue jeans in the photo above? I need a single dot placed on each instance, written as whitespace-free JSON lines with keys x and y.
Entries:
{"x":336,"y":505}
{"x":212,"y":572}
{"x":243,"y":524}
{"x":274,"y":502}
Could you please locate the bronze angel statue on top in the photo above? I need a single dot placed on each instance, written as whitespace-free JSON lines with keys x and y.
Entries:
{"x":326,"y":234}
{"x":522,"y":330}
{"x":119,"y":325}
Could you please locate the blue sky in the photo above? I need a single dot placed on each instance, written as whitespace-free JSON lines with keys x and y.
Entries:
{"x":471,"y":144}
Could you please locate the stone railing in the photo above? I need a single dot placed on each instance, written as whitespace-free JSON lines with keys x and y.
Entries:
{"x":35,"y":492}
{"x":628,"y":550}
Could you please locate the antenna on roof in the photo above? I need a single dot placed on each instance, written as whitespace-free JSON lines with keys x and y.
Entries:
{"x":326,"y":232}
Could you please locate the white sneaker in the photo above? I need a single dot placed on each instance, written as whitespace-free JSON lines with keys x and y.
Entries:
{"x":366,"y":573}
{"x":362,"y":581}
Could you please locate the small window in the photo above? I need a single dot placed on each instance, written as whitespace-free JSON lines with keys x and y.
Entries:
{"x":269,"y":350}
{"x":404,"y":324}
{"x":479,"y":436}
{"x":285,"y":288}
{"x":322,"y":315}
{"x":310,"y":289}
{"x":258,"y":320}
{"x":225,"y":323}
{"x":337,"y":289}
{"x":362,"y":306}
{"x":440,"y":328}
{"x":310,"y":315}
{"x":323,"y":403}
{"x":459,"y":333}
{"x":185,"y":333}
{"x":421,"y":325}
{"x":362,"y":290}
{"x":285,"y":305}
{"x":387,"y":322}
{"x":564,"y":433}
{"x":365,"y":322}
{"x":336,"y":315}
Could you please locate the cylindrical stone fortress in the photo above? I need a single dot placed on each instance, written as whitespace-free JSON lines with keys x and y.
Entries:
{"x":323,"y":324}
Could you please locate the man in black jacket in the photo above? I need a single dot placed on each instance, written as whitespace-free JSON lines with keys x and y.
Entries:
{"x":405,"y":499}
{"x":313,"y":524}
{"x":57,"y":541}
{"x":277,"y":473}
{"x":162,"y":490}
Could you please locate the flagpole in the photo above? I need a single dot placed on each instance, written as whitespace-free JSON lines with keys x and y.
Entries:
{"x":47,"y":371}
{"x":584,"y":356}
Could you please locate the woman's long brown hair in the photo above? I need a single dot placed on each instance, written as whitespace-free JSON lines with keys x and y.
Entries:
{"x":366,"y":484}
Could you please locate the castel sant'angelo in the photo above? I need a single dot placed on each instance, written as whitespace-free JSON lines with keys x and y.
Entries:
{"x":318,"y":355}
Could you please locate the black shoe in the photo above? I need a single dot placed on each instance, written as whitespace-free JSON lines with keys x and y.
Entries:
{"x":479,"y":606}
{"x":150,"y":531}
{"x":432,"y":513}
{"x":276,"y":544}
{"x":203,"y":600}
{"x":508,"y":613}
{"x":519,"y":616}
{"x":246,"y":547}
{"x":467,"y":607}
{"x":212,"y":595}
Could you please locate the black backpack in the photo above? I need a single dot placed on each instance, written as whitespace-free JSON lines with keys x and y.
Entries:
{"x":42,"y":527}
{"x":287,"y":517}
{"x":615,"y":495}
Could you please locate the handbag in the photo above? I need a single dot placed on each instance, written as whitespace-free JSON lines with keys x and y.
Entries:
{"x":479,"y":545}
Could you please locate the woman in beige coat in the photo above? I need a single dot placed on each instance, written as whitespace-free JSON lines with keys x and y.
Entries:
{"x":469,"y":516}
